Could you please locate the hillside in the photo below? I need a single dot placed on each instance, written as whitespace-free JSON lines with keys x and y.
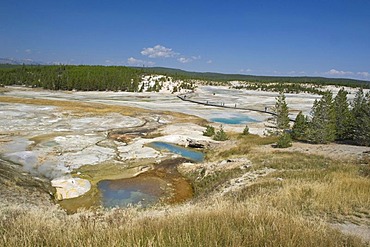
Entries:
{"x":90,"y":78}
{"x":177,"y":73}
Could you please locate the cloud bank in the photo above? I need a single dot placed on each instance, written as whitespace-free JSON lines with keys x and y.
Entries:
{"x":158,"y":51}
{"x":361,"y":75}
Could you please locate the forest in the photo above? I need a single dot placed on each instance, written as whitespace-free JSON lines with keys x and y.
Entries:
{"x":71,"y":77}
{"x":219,"y":77}
{"x":121,"y":78}
{"x":331,"y":119}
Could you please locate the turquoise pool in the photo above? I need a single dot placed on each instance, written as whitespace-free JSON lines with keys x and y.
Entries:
{"x":193,"y":155}
{"x":234,"y":120}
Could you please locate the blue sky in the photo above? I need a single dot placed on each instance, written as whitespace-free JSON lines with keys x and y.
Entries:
{"x":314,"y":38}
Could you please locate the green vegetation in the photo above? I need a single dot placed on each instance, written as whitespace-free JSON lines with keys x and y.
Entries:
{"x":245,"y":130}
{"x":84,"y":77}
{"x":322,"y":126}
{"x":259,"y":80}
{"x":281,"y":110}
{"x":361,"y":119}
{"x":68,"y":77}
{"x":220,"y":135}
{"x":284,"y":141}
{"x":210,"y":131}
{"x":334,"y":120}
{"x":300,"y":127}
{"x":343,"y":116}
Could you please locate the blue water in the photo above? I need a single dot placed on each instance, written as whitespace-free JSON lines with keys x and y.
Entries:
{"x":184,"y":152}
{"x":234,"y":120}
{"x":124,"y":195}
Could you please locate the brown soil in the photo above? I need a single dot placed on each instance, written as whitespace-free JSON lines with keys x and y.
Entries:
{"x":180,"y":188}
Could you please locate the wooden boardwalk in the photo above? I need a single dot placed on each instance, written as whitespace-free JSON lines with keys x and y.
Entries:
{"x":186,"y":97}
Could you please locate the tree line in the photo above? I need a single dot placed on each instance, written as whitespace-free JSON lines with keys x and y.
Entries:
{"x":84,"y":77}
{"x":71,"y":77}
{"x":178,"y":74}
{"x":331,"y":119}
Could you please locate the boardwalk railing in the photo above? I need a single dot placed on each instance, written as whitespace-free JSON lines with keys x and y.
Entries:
{"x":187,"y":97}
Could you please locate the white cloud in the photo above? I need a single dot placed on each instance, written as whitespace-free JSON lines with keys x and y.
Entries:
{"x":184,"y":60}
{"x":188,"y":59}
{"x":364,"y":74}
{"x":28,"y":51}
{"x":245,"y":70}
{"x":139,"y":62}
{"x":209,"y":61}
{"x":158,"y":51}
{"x":338,"y":72}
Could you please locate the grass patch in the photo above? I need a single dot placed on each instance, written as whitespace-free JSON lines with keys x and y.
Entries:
{"x":289,"y":160}
{"x":223,"y":224}
{"x":310,"y":185}
{"x":203,"y":185}
{"x":241,"y":145}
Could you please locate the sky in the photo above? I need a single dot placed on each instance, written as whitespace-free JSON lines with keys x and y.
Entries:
{"x":329,"y":38}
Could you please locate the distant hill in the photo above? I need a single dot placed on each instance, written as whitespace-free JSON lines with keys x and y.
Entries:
{"x":252,"y":78}
{"x":11,"y":66}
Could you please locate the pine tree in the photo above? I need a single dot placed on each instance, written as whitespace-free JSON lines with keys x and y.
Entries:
{"x":246,"y":130}
{"x":361,"y":118}
{"x":220,"y":135}
{"x":300,"y":127}
{"x":284,"y":141}
{"x":322,"y":126}
{"x":342,"y":115}
{"x":210,"y":131}
{"x":281,"y":111}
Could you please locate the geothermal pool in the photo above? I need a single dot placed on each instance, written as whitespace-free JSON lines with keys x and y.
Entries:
{"x":237,"y":119}
{"x":142,"y":191}
{"x":187,"y":153}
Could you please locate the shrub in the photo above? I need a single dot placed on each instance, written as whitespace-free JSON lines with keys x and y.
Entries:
{"x":220,"y":135}
{"x":246,"y":130}
{"x":210,"y":131}
{"x":284,"y":141}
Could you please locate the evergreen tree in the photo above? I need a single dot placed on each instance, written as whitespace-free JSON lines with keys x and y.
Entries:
{"x":300,"y":127}
{"x":210,"y":131}
{"x":284,"y":141}
{"x":246,"y":130}
{"x":281,"y":111}
{"x":361,"y":118}
{"x":220,"y":135}
{"x":342,"y":115}
{"x":322,"y":126}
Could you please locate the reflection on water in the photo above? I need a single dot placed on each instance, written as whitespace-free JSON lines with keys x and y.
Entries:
{"x":142,"y":191}
{"x":184,"y":152}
